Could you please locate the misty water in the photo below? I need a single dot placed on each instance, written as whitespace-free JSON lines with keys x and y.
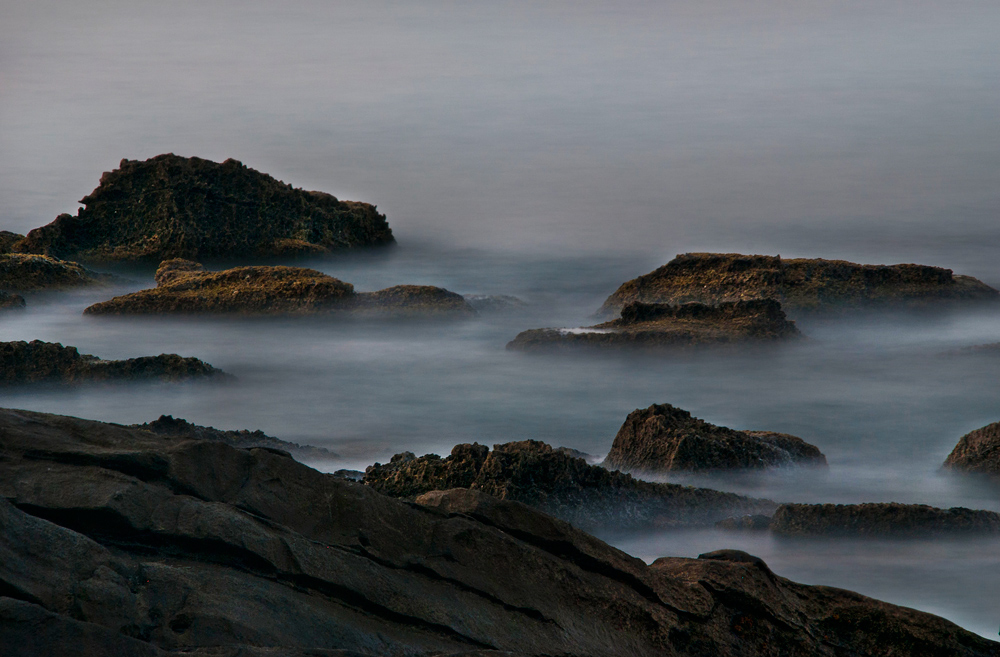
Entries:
{"x":552,"y":152}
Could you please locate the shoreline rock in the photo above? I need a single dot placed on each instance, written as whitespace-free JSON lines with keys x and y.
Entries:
{"x":50,"y":362}
{"x":667,"y":327}
{"x":176,"y":207}
{"x":880,"y":520}
{"x":977,"y":452}
{"x":663,"y":438}
{"x":21,"y":272}
{"x":799,"y":284}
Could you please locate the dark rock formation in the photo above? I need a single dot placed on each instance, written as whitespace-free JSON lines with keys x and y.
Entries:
{"x":10,"y":301}
{"x":119,"y":541}
{"x":662,"y":326}
{"x":177,"y":207}
{"x":185,"y":287}
{"x":31,"y":273}
{"x":167,"y":425}
{"x":977,"y":451}
{"x":8,"y":240}
{"x":662,"y":438}
{"x":50,"y":362}
{"x":567,"y":487}
{"x":799,"y":284}
{"x":881,"y":519}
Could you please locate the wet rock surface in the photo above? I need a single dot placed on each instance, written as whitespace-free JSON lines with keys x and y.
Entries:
{"x":50,"y":362}
{"x":880,"y":520}
{"x":120,"y":541}
{"x":560,"y":484}
{"x":178,"y":207}
{"x":663,"y":326}
{"x":977,"y":451}
{"x":663,"y":438}
{"x":21,"y":272}
{"x":185,"y":287}
{"x":800,"y":284}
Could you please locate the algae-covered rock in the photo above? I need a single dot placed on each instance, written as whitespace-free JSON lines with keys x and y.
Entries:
{"x":664,"y":438}
{"x":47,"y":362}
{"x":977,"y":451}
{"x":881,"y":519}
{"x":533,"y":473}
{"x":659,"y":327}
{"x":20,"y":272}
{"x":178,"y":207}
{"x":798,"y":283}
{"x":184,"y":287}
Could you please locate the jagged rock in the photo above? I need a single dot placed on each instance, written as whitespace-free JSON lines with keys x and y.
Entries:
{"x":119,"y":541}
{"x":185,"y":287}
{"x":662,"y":326}
{"x":50,"y":362}
{"x":977,"y":451}
{"x":662,"y":438}
{"x":799,"y":283}
{"x":10,"y":301}
{"x":558,"y":483}
{"x":881,"y":519}
{"x":21,"y":272}
{"x":8,"y":240}
{"x":167,"y":425}
{"x":177,"y":207}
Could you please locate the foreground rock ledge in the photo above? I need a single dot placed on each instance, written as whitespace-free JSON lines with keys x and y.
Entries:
{"x":178,"y":207}
{"x":799,"y":284}
{"x":184,"y":287}
{"x":662,"y":326}
{"x":663,"y":438}
{"x":50,"y":362}
{"x":118,"y":541}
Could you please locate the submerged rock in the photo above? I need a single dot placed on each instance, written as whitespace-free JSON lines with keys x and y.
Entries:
{"x":119,"y":541}
{"x":881,"y":519}
{"x":178,"y":207}
{"x":50,"y":362}
{"x":565,"y":486}
{"x":10,"y":301}
{"x":754,"y":523}
{"x":663,"y":438}
{"x":185,"y":287}
{"x":977,"y":451}
{"x":495,"y":303}
{"x":799,"y":283}
{"x":167,"y":425}
{"x":21,"y":272}
{"x":662,"y":326}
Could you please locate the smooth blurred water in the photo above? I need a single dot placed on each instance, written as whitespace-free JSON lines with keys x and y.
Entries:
{"x":552,"y":151}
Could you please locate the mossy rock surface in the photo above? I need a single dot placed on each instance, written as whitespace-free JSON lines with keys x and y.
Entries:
{"x":178,"y":207}
{"x":21,"y":272}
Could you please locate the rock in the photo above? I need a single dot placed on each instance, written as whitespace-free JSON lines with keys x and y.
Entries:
{"x":167,"y":425}
{"x":881,"y":519}
{"x":664,"y":438}
{"x":490,"y":303}
{"x":662,"y":326}
{"x":800,"y":284}
{"x":31,"y":273}
{"x":10,"y":301}
{"x":753,"y":523}
{"x":564,"y":486}
{"x":185,"y":287}
{"x":8,"y":240}
{"x":50,"y":362}
{"x":177,"y":207}
{"x":119,"y":541}
{"x":977,"y":451}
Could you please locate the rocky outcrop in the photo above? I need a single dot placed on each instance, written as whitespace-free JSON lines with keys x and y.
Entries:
{"x":662,"y":326}
{"x":800,"y":284}
{"x":663,"y":438}
{"x":184,"y":287}
{"x":8,"y":240}
{"x":177,"y":207}
{"x":50,"y":362}
{"x":10,"y":301}
{"x":119,"y":541}
{"x":880,"y":519}
{"x":32,"y":273}
{"x":977,"y":451}
{"x":560,"y":484}
{"x":167,"y":425}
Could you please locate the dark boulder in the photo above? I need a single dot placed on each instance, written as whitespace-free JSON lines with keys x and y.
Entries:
{"x":178,"y":207}
{"x":50,"y":362}
{"x":881,"y":519}
{"x":533,"y":473}
{"x":663,"y":438}
{"x":21,"y":272}
{"x":977,"y":451}
{"x":119,"y":541}
{"x":800,"y":284}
